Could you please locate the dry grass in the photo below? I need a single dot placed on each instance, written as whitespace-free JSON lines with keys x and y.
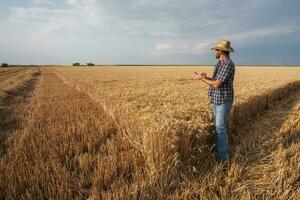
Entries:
{"x":144,"y":133}
{"x":15,"y":89}
{"x":12,"y":78}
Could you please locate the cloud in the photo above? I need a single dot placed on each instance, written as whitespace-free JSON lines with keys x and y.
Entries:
{"x":265,"y":32}
{"x":73,"y":17}
{"x":156,"y":29}
{"x":160,"y":47}
{"x":41,"y":2}
{"x":242,"y":39}
{"x":183,"y":47}
{"x":201,"y":47}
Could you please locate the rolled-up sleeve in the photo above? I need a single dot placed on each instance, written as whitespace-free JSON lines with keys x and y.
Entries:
{"x":225,"y":72}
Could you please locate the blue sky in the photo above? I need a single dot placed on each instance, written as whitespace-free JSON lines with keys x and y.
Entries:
{"x":148,"y":32}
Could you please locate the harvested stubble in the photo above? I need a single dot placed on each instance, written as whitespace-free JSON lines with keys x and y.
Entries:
{"x":14,"y":77}
{"x":161,"y":115}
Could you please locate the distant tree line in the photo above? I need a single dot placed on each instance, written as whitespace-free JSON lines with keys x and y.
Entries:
{"x":4,"y":65}
{"x":78,"y":64}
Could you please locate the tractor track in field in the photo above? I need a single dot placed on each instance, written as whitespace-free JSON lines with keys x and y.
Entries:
{"x":256,"y":145}
{"x":263,"y":130}
{"x":13,"y":107}
{"x":268,"y":120}
{"x":128,"y":136}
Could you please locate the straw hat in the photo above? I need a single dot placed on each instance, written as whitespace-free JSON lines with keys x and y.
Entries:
{"x":223,"y":45}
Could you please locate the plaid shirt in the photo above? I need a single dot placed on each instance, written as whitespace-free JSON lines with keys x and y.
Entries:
{"x":223,"y":71}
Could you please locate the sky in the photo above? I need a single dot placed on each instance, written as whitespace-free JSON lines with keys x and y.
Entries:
{"x":148,"y":32}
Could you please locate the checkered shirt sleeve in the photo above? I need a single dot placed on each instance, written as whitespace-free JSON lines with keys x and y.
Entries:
{"x":225,"y":72}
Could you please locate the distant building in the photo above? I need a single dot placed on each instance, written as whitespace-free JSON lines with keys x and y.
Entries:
{"x":90,"y":64}
{"x":76,"y":64}
{"x":4,"y":65}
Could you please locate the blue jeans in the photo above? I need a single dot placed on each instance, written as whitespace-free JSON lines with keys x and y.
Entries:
{"x":221,"y":113}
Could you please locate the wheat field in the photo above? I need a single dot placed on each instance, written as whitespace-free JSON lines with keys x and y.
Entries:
{"x":111,"y":132}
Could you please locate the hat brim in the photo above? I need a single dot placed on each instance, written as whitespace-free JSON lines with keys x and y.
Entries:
{"x":223,"y":49}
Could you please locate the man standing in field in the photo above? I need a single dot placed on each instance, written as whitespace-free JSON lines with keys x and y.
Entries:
{"x":221,"y":95}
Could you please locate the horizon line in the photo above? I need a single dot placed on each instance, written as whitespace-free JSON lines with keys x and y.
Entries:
{"x":279,"y":65}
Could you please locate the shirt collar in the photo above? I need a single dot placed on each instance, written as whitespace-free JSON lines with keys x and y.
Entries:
{"x":227,"y":58}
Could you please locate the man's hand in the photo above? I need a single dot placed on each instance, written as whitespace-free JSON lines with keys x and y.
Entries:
{"x":201,"y":76}
{"x":204,"y":75}
{"x":213,"y":83}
